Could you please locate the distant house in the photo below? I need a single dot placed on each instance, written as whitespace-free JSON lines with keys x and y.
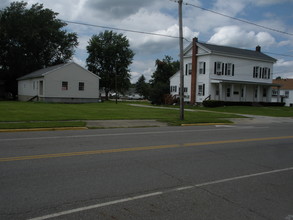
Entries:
{"x":69,"y":83}
{"x":284,"y":92}
{"x":224,"y":73}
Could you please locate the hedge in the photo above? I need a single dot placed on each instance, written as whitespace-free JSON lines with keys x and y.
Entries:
{"x":216,"y":103}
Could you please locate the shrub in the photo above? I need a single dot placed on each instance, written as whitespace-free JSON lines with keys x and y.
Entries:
{"x":213,"y":103}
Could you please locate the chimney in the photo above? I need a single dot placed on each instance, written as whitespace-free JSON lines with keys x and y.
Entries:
{"x":258,"y":48}
{"x":194,"y":71}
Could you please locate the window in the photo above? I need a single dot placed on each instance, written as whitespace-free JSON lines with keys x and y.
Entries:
{"x":264,"y":75}
{"x":274,"y":92}
{"x":261,"y":72}
{"x":202,"y":67}
{"x":64,"y":85}
{"x":228,"y":92}
{"x":173,"y":88}
{"x":188,"y":69}
{"x":201,"y":90}
{"x":255,"y":92}
{"x":264,"y":92}
{"x":81,"y":86}
{"x":228,"y":69}
{"x":219,"y":66}
{"x":255,"y":71}
{"x":185,"y":90}
{"x":286,"y":94}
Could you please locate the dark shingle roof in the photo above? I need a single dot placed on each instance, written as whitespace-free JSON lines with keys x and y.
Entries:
{"x":237,"y":52}
{"x":41,"y":72}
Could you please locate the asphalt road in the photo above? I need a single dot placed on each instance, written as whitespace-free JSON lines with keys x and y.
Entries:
{"x":204,"y":172}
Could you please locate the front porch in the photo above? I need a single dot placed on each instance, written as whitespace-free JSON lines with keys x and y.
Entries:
{"x":241,"y":91}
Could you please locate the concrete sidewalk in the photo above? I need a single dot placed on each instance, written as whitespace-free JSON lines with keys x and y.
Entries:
{"x":124,"y":123}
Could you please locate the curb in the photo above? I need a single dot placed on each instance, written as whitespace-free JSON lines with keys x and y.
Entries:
{"x":202,"y":124}
{"x":43,"y":129}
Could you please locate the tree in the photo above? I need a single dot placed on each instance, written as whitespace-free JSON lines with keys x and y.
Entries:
{"x":141,"y":87}
{"x":160,"y":82}
{"x":109,"y":57}
{"x":30,"y":39}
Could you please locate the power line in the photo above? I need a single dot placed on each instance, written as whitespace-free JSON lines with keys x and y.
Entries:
{"x":122,"y":29}
{"x":238,"y":19}
{"x":148,"y":33}
{"x":279,"y":54}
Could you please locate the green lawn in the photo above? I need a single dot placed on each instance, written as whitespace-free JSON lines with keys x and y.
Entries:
{"x":40,"y":114}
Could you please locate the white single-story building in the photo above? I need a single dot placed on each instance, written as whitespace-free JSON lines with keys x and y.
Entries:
{"x":69,"y":83}
{"x":224,"y":73}
{"x":283,"y":92}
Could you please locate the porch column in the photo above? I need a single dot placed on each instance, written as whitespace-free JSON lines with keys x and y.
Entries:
{"x":269,"y":94}
{"x":244,"y":93}
{"x":258,"y":93}
{"x":220,"y":91}
{"x":232,"y":93}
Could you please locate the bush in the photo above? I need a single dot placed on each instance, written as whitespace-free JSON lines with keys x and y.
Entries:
{"x":215,"y":103}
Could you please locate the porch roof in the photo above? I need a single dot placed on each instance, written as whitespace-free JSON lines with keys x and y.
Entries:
{"x":224,"y":81}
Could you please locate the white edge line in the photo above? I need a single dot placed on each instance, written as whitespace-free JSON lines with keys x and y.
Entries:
{"x":96,"y":206}
{"x":158,"y":193}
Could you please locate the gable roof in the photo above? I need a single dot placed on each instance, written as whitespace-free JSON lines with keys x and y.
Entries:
{"x":286,"y":84}
{"x":237,"y":52}
{"x":43,"y":72}
{"x":232,"y":51}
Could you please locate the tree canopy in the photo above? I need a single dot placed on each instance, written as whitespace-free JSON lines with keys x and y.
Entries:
{"x":109,"y":57}
{"x":160,"y":82}
{"x":30,"y":39}
{"x":142,"y":87}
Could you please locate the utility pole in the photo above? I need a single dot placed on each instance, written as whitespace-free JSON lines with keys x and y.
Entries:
{"x":181,"y":61}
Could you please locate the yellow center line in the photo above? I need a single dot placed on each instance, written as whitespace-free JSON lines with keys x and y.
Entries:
{"x":70,"y":154}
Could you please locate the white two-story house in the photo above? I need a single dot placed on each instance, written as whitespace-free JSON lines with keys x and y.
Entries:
{"x":224,"y":73}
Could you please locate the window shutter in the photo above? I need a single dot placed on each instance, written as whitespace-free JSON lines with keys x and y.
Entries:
{"x":226,"y":69}
{"x":186,"y":69}
{"x":269,"y":73}
{"x":222,"y":68}
{"x":233,"y":70}
{"x":204,"y":67}
{"x":215,"y":70}
{"x":203,"y":89}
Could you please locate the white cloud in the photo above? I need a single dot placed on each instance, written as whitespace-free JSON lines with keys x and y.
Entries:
{"x":154,"y":44}
{"x":235,"y":36}
{"x":142,"y":67}
{"x":269,"y":2}
{"x":283,"y":68}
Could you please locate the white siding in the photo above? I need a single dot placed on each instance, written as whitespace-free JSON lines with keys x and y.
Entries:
{"x":73,"y":74}
{"x":287,"y":99}
{"x":243,"y":69}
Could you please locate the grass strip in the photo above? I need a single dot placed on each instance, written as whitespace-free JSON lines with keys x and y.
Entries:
{"x":51,"y":124}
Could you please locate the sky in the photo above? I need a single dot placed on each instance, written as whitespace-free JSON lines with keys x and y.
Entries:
{"x":161,"y":17}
